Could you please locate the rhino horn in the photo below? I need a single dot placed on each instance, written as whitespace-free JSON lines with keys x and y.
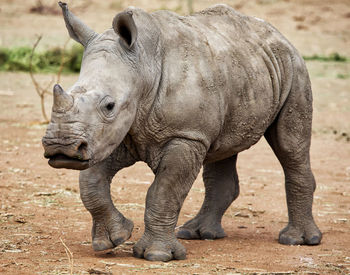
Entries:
{"x":62,"y":102}
{"x":76,"y":28}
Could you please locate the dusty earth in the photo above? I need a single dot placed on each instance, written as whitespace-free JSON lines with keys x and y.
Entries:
{"x":42,"y":217}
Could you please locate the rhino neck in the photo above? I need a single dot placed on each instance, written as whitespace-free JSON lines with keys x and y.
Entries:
{"x":148,"y":106}
{"x":152,"y":72}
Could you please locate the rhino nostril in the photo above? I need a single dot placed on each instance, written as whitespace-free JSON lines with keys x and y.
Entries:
{"x":82,"y":147}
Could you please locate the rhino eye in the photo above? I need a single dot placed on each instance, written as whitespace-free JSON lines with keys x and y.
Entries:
{"x":107,"y":107}
{"x":110,"y":106}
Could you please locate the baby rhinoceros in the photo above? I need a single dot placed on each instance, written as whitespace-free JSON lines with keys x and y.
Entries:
{"x":179,"y":93}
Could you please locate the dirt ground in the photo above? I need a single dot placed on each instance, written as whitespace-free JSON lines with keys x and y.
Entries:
{"x":41,"y":214}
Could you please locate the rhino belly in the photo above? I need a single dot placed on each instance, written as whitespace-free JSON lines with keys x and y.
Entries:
{"x":238,"y":135}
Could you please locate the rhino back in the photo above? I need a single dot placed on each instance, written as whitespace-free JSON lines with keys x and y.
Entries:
{"x":225,"y":76}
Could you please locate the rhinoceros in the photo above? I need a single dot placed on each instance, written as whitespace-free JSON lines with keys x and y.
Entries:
{"x":179,"y":93}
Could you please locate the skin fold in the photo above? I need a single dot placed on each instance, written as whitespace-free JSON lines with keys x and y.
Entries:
{"x":179,"y":93}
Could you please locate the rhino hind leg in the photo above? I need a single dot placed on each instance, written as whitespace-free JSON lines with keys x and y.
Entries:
{"x":289,"y":137}
{"x":221,"y":189}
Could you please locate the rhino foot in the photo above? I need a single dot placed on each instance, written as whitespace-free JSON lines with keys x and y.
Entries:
{"x":201,"y":228}
{"x":109,"y":234}
{"x":159,"y":249}
{"x":293,"y":235}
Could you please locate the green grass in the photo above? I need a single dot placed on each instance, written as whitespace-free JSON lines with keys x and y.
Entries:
{"x":18,"y":59}
{"x":334,"y":57}
{"x":343,"y":76}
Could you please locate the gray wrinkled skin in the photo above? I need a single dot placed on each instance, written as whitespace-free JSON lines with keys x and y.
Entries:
{"x":178,"y":93}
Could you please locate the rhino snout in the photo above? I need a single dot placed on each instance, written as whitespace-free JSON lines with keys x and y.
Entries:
{"x":70,"y":155}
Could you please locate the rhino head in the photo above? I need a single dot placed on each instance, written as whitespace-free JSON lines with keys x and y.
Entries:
{"x":92,"y":117}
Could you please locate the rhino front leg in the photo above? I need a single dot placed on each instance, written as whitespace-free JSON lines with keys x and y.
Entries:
{"x":110,"y":228}
{"x":175,"y":175}
{"x":221,"y":189}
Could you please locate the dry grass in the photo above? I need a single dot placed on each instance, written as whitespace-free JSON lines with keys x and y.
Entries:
{"x":69,"y":256}
{"x":42,"y":91}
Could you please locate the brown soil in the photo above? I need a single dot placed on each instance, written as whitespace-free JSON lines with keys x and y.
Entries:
{"x":41,"y":212}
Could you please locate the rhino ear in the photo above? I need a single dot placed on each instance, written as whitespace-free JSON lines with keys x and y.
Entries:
{"x":76,"y":28}
{"x":124,"y":26}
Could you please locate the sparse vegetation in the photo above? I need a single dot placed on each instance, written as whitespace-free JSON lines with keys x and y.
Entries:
{"x":58,"y":58}
{"x":343,"y":76}
{"x":49,"y":61}
{"x":334,"y":57}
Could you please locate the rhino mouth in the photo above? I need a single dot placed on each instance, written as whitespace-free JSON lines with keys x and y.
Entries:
{"x":64,"y":161}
